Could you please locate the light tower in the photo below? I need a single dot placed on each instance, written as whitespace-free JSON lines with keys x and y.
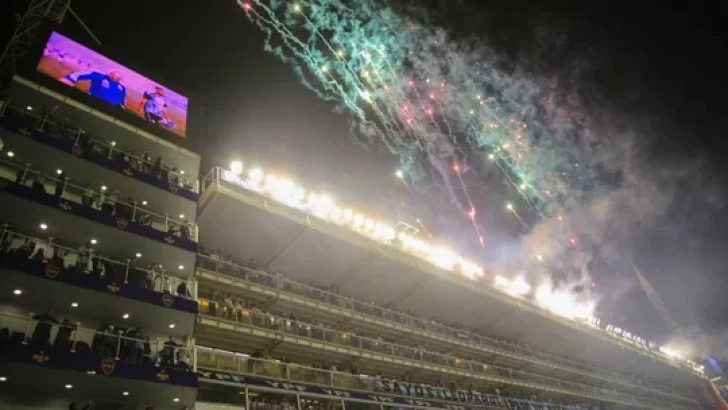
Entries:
{"x":656,"y":301}
{"x":25,"y":29}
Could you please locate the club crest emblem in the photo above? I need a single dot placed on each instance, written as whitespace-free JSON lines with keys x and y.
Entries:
{"x":51,"y":271}
{"x":122,"y":223}
{"x":40,"y":357}
{"x":108,"y":365}
{"x":162,"y":376}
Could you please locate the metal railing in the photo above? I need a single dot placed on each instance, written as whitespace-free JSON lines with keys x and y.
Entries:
{"x":99,"y":197}
{"x":476,"y":341}
{"x":78,"y":136}
{"x":72,"y":337}
{"x":87,"y":261}
{"x":417,"y":356}
{"x":242,"y":364}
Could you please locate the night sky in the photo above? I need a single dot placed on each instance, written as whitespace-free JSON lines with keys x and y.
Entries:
{"x":660,"y":68}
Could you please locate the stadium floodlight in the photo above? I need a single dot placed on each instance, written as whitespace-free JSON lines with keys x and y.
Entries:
{"x":255,"y":175}
{"x":348,"y":214}
{"x":236,"y":167}
{"x":399,"y":174}
{"x":509,"y":206}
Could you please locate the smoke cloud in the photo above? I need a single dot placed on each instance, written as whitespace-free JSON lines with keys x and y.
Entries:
{"x":438,"y":99}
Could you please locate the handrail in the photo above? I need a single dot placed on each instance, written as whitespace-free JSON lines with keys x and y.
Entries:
{"x":84,"y":262}
{"x":298,"y":329}
{"x":184,"y":181}
{"x":91,"y":197}
{"x":284,"y":284}
{"x":243,"y":364}
{"x":77,"y":333}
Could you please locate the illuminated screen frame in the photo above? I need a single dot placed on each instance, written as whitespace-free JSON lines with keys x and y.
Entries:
{"x":92,"y":73}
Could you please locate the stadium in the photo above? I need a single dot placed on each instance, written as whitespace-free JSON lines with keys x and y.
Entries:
{"x":129,"y":282}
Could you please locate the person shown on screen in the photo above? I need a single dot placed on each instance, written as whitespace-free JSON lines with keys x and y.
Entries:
{"x":106,"y":87}
{"x":154,"y":108}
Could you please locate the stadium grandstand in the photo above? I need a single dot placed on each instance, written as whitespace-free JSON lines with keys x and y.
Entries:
{"x":296,"y":276}
{"x":97,"y":249}
{"x":130,"y":283}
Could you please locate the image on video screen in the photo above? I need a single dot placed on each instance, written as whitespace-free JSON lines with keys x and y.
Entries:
{"x":84,"y":69}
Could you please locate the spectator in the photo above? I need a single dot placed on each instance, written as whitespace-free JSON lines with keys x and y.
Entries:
{"x":60,"y":184}
{"x":39,"y":185}
{"x":184,"y":230}
{"x":229,"y":307}
{"x":182,"y":290}
{"x":88,"y":196}
{"x":42,"y":333}
{"x":112,"y":198}
{"x":214,"y":303}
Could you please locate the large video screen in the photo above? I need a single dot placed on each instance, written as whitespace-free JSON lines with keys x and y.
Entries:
{"x":86,"y":70}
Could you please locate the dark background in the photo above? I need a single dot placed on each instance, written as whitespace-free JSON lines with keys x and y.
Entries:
{"x":664,"y":68}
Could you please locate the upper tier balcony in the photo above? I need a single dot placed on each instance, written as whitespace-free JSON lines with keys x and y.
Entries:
{"x":38,"y":136}
{"x":64,"y":118}
{"x":81,"y":211}
{"x":94,"y":284}
{"x":43,"y":357}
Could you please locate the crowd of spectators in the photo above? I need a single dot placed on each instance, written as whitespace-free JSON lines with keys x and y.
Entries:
{"x":99,"y":196}
{"x":131,"y":344}
{"x":85,"y":259}
{"x":227,"y":306}
{"x":254,"y":313}
{"x":49,"y":121}
{"x":280,"y":367}
{"x":229,"y":264}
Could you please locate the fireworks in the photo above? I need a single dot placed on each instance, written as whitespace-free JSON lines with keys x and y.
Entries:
{"x":422,"y":95}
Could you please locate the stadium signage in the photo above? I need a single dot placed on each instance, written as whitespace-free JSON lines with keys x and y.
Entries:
{"x":467,"y":400}
{"x":432,"y":392}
